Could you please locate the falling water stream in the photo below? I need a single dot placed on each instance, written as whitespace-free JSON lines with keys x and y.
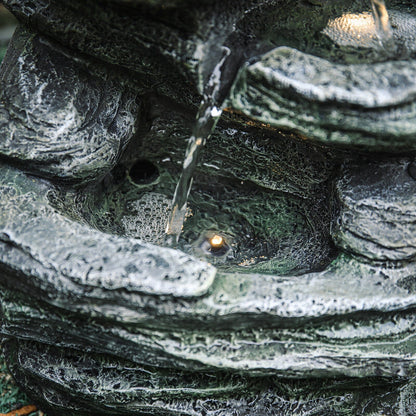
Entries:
{"x":384,"y":31}
{"x":209,"y":112}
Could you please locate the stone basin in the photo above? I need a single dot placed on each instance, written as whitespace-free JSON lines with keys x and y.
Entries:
{"x":309,"y":177}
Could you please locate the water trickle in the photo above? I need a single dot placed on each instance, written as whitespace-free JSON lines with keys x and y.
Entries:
{"x":384,"y":31}
{"x":209,"y":112}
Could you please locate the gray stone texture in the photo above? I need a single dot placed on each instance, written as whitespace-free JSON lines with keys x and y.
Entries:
{"x":309,"y":311}
{"x":377,"y":211}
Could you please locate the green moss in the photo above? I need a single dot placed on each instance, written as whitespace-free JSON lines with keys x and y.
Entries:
{"x":11,"y":397}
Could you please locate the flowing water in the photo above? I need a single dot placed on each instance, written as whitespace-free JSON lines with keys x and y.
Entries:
{"x":384,"y":31}
{"x":209,"y":112}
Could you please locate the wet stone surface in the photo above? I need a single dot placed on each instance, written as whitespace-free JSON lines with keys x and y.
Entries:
{"x":307,"y":307}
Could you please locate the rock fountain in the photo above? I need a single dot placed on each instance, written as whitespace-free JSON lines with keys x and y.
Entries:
{"x":291,"y":289}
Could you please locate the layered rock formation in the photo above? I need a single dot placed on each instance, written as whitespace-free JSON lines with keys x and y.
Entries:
{"x":309,"y":177}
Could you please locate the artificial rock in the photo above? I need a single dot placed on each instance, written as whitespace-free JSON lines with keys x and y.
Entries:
{"x":308,"y":176}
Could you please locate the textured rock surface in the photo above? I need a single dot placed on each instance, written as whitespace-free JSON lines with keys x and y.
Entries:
{"x":310,"y":310}
{"x":291,"y":89}
{"x":377,"y":211}
{"x":352,"y":319}
{"x":256,"y":172}
{"x":374,"y":102}
{"x":140,"y":391}
{"x":187,"y":47}
{"x":92,"y":121}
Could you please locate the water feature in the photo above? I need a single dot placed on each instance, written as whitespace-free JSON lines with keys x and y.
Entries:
{"x":95,"y":321}
{"x":209,"y":112}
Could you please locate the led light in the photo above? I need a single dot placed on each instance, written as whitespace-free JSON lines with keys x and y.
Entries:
{"x":216,"y":241}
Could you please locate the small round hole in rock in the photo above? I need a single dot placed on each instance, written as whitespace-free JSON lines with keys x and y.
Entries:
{"x":143,"y":172}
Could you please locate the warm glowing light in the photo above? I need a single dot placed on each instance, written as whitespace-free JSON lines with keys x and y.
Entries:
{"x":217,"y":241}
{"x":360,"y":22}
{"x":352,"y":30}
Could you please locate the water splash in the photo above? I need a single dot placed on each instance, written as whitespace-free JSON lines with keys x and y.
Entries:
{"x":384,"y":30}
{"x":208,"y":115}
